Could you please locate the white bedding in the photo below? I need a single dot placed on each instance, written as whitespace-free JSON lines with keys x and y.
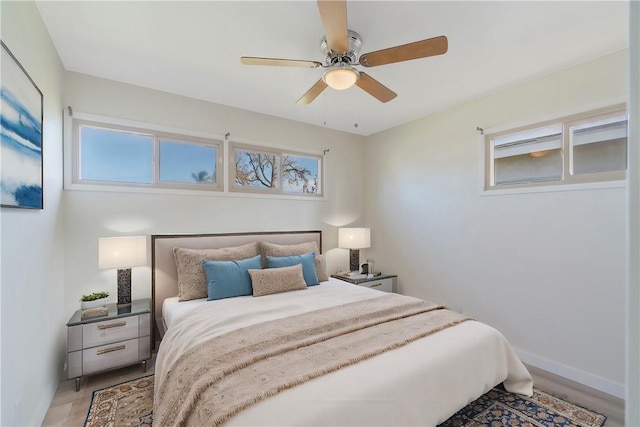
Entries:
{"x":172,"y":308}
{"x":422,"y":383}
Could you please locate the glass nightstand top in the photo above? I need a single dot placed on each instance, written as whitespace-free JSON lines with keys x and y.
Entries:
{"x":139,"y":306}
{"x":367,"y":279}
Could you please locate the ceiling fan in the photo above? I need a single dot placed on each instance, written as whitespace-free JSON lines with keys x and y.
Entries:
{"x":341,"y":48}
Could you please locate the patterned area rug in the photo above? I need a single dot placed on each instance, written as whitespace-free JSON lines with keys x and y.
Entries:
{"x":126,"y":404}
{"x":500,"y":408}
{"x":131,"y":404}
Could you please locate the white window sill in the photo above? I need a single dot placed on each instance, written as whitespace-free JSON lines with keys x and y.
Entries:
{"x":555,"y":187}
{"x":183,"y":192}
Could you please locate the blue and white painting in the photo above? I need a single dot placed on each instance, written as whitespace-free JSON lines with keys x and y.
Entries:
{"x":21,"y":133}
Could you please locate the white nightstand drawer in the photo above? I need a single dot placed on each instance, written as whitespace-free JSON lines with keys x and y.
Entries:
{"x":120,"y":338}
{"x":109,"y":356}
{"x":385,"y":285}
{"x":109,"y":331}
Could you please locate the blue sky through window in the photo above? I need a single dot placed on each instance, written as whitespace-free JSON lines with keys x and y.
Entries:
{"x":120,"y":156}
{"x":182,"y":162}
{"x":248,"y":174}
{"x":108,"y":155}
{"x":307,"y":162}
{"x":312,"y":184}
{"x":300,"y":174}
{"x":128,"y":155}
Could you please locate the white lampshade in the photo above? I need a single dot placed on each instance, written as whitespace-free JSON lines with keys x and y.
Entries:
{"x":354,"y":238}
{"x":340,"y":77}
{"x":122,"y":252}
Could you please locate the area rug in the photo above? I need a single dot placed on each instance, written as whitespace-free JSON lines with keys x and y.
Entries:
{"x":126,"y":404}
{"x":131,"y":404}
{"x":500,"y":408}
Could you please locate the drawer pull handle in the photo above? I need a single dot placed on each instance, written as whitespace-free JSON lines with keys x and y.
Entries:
{"x":110,"y":349}
{"x":375,"y":285}
{"x":112,"y":325}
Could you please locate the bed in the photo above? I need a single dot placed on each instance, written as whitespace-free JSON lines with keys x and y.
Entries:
{"x":420,"y":381}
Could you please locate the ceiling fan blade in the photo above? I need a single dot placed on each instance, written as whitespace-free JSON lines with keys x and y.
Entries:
{"x":421,"y":49}
{"x":312,"y":93}
{"x":333,"y":14}
{"x":375,"y":88}
{"x":278,"y":62}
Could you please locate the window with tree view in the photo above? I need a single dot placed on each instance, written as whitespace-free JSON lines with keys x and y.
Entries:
{"x":277,"y":172}
{"x":124,"y":156}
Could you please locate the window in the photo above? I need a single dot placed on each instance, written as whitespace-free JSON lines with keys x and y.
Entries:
{"x":588,"y":147}
{"x":115,"y":156}
{"x":187,"y":162}
{"x":110,"y":154}
{"x":256,"y":169}
{"x":599,"y":146}
{"x":123,"y":156}
{"x":529,"y":156}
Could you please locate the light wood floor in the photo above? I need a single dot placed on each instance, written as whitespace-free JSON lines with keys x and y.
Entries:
{"x":69,"y":408}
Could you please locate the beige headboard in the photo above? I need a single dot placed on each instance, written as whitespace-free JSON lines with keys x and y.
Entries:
{"x":164,"y":280}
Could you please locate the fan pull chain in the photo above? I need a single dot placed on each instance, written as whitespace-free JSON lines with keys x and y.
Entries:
{"x":324,"y":106}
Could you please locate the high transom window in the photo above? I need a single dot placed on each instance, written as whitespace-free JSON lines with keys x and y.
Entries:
{"x":107,"y":154}
{"x":589,"y":147}
{"x":265,"y":170}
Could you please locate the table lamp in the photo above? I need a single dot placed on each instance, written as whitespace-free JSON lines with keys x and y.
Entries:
{"x":122,"y":253}
{"x":354,"y":239}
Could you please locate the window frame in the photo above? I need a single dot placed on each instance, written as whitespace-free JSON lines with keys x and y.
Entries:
{"x":280,"y":153}
{"x":567,"y":177}
{"x":157,"y":135}
{"x":595,"y":176}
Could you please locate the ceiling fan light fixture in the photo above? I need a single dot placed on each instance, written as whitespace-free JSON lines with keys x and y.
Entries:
{"x":341,"y":77}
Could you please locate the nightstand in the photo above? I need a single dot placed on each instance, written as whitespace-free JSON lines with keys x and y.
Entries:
{"x":120,"y":338}
{"x":383,"y":282}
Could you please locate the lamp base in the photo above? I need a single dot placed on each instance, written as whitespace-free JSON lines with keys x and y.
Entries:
{"x":354,"y":260}
{"x":125,"y":309}
{"x":124,"y":287}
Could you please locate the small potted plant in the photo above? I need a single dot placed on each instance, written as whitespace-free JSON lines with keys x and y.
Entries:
{"x":96,"y":299}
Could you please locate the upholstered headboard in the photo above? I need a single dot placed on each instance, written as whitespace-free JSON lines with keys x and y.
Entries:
{"x":164,"y":277}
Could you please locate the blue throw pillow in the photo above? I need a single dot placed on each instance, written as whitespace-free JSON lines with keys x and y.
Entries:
{"x":227,"y":279}
{"x":308,"y":262}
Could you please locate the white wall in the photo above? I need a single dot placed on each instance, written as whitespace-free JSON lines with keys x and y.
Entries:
{"x":33,"y":317}
{"x":632,"y":407}
{"x":546,"y":269}
{"x":90,"y":215}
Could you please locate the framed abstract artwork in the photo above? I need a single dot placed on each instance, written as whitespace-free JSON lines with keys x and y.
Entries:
{"x":21,"y":116}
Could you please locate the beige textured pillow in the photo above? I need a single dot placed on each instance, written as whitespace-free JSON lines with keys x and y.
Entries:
{"x":192,"y":280}
{"x":321,"y":268}
{"x":275,"y":280}
{"x":272,"y":249}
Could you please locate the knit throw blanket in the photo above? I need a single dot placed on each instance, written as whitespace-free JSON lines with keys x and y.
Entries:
{"x":220,"y":377}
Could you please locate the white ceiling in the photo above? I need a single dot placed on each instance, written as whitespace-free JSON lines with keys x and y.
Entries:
{"x":194,"y":49}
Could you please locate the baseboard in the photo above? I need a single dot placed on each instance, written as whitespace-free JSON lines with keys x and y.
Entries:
{"x":605,"y":404}
{"x":575,"y":375}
